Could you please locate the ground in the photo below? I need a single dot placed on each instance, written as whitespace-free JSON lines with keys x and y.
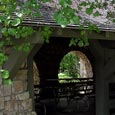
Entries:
{"x":73,"y":107}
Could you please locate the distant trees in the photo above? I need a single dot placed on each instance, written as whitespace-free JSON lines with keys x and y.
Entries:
{"x":69,"y":66}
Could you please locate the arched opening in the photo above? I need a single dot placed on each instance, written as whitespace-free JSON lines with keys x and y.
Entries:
{"x":75,"y":73}
{"x":74,"y":64}
{"x":69,"y":67}
{"x":39,"y":106}
{"x":48,"y":61}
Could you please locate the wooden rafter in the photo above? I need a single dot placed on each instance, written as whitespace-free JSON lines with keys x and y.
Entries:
{"x":16,"y":58}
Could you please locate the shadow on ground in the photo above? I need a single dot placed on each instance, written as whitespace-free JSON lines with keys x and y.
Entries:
{"x":65,"y":107}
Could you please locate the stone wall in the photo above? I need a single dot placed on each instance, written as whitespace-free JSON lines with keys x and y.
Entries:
{"x":85,"y":65}
{"x":15,"y":98}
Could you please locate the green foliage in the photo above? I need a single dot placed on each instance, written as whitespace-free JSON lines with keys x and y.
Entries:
{"x":73,"y":41}
{"x":3,"y":58}
{"x":26,"y":47}
{"x":81,"y":42}
{"x":44,"y":1}
{"x":16,"y":22}
{"x":13,"y":12}
{"x":89,"y":11}
{"x":93,"y":27}
{"x":46,"y":32}
{"x":66,"y":15}
{"x":64,"y":78}
{"x":1,"y":44}
{"x":70,"y":65}
{"x":8,"y":82}
{"x":11,"y":30}
{"x":96,"y":14}
{"x":5,"y":75}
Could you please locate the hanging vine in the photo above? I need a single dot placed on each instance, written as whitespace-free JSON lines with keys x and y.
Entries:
{"x":13,"y":12}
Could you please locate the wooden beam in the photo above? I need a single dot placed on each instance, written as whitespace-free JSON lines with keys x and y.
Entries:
{"x":70,"y":33}
{"x":16,"y":58}
{"x":96,"y":49}
{"x":31,"y":80}
{"x":33,"y":39}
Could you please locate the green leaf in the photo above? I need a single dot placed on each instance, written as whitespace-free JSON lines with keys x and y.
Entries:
{"x":86,"y":43}
{"x":85,"y":40}
{"x":63,"y":3}
{"x":17,"y":36}
{"x":76,"y":20}
{"x":97,"y":30}
{"x":24,"y":35}
{"x":7,"y":22}
{"x":73,"y":41}
{"x":5,"y":74}
{"x":96,"y":14}
{"x":84,"y":3}
{"x":27,"y":47}
{"x":12,"y":31}
{"x":63,"y":22}
{"x":60,"y":19}
{"x":89,"y":11}
{"x":81,"y":27}
{"x":69,"y":2}
{"x":44,"y":1}
{"x":2,"y":18}
{"x":46,"y":33}
{"x":93,"y":27}
{"x":16,"y":22}
{"x":8,"y":82}
{"x":3,"y":58}
{"x":4,"y":30}
{"x":80,"y":43}
{"x":1,"y":44}
{"x":46,"y":28}
{"x":83,"y":32}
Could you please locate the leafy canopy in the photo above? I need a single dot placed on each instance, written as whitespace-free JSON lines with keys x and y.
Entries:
{"x":13,"y":12}
{"x":69,"y":65}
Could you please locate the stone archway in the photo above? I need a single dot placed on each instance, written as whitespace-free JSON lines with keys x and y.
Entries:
{"x":75,"y":64}
{"x":49,"y":56}
{"x":85,"y":65}
{"x":36,"y":74}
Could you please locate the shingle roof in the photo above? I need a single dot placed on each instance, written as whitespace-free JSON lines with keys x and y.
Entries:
{"x":47,"y":10}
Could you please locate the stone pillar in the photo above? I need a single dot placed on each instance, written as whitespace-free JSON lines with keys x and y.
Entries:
{"x":15,"y":99}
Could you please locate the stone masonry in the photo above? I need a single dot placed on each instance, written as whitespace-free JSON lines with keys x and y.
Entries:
{"x":15,"y":98}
